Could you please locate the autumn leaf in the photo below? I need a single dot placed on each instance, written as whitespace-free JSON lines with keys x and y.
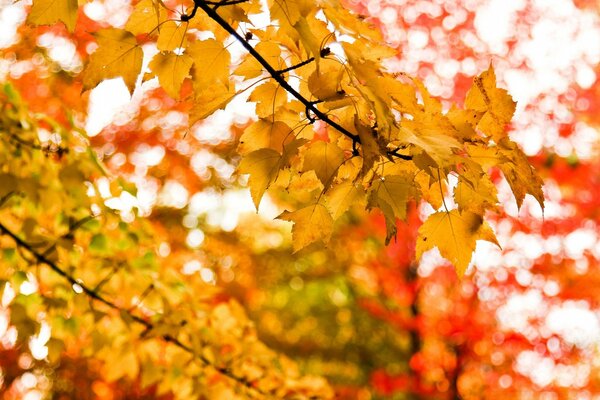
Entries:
{"x":171,"y":70}
{"x":455,"y":235}
{"x":311,"y":224}
{"x":326,"y":85}
{"x":146,"y":18}
{"x":269,"y":97}
{"x":475,"y":191}
{"x":172,"y":36}
{"x":251,"y":68}
{"x":118,"y":55}
{"x":430,"y":134}
{"x":395,"y":191}
{"x":496,"y":104}
{"x":212,"y":98}
{"x":211,"y":63}
{"x":48,"y":12}
{"x":263,"y":166}
{"x":521,"y":176}
{"x":343,"y":196}
{"x":265,"y":134}
{"x":324,"y":158}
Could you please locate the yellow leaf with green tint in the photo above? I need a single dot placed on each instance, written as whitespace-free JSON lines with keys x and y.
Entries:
{"x":172,"y":36}
{"x":146,"y":18}
{"x":118,"y":55}
{"x":48,"y":12}
{"x":171,"y":69}
{"x":311,"y":224}
{"x":455,"y":235}
{"x":324,"y":158}
{"x":263,"y":166}
{"x":496,"y":104}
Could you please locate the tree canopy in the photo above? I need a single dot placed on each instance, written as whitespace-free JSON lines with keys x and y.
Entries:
{"x":117,"y":272}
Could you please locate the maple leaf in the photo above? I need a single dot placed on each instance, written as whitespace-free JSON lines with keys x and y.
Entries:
{"x":521,"y":176}
{"x":395,"y":191}
{"x":265,"y":134}
{"x":311,"y":224}
{"x":172,"y":36}
{"x":269,"y":97}
{"x":429,"y":132}
{"x":343,"y":196}
{"x":475,"y":191}
{"x":211,"y":63}
{"x":118,"y":55}
{"x":496,"y":104}
{"x":171,"y":70}
{"x":146,"y":18}
{"x":324,"y":158}
{"x":48,"y":12}
{"x":263,"y":166}
{"x":455,"y":235}
{"x":209,"y":100}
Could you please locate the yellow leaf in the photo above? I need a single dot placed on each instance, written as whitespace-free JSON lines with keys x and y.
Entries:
{"x":286,"y":12}
{"x":146,"y":18}
{"x":455,"y":235}
{"x":48,"y":12}
{"x":211,"y":99}
{"x":430,"y":136}
{"x":326,"y":85}
{"x":211,"y":63}
{"x":263,"y":133}
{"x":496,"y":104}
{"x":269,"y":97}
{"x":396,"y":191}
{"x":370,"y":150}
{"x":171,"y":70}
{"x":343,"y":196}
{"x":172,"y":36}
{"x":263,"y":166}
{"x":118,"y":55}
{"x":521,"y":176}
{"x":464,"y":121}
{"x":311,"y":224}
{"x":324,"y":158}
{"x":250,"y":68}
{"x":8,"y":184}
{"x":475,"y":191}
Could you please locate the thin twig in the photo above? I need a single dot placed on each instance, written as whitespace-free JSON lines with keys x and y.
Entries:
{"x":293,"y":67}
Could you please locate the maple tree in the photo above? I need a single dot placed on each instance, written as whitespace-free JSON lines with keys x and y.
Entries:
{"x":336,"y":135}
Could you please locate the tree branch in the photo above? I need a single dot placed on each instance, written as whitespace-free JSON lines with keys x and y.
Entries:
{"x":94,"y":295}
{"x":272,"y":71}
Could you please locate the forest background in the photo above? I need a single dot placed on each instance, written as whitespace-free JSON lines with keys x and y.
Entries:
{"x":135,"y":264}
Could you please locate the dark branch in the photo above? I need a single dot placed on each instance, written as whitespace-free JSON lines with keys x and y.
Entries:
{"x":293,"y":67}
{"x":401,"y":156}
{"x":273,"y":72}
{"x":94,"y":295}
{"x":224,"y":3}
{"x":312,"y":112}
